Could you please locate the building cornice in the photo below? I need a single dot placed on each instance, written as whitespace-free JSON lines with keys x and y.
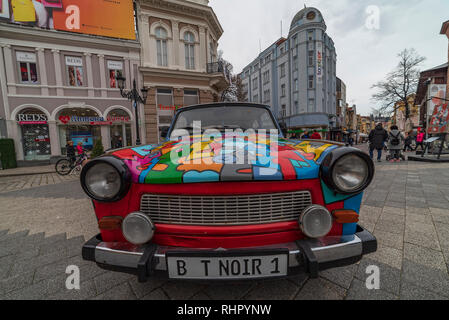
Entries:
{"x":186,"y":8}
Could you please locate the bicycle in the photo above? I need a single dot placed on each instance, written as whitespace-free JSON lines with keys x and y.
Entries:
{"x":66,"y":167}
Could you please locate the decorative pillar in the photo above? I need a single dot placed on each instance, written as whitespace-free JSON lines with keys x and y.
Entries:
{"x":10,"y":72}
{"x":58,"y":73}
{"x":105,"y":137}
{"x":3,"y":86}
{"x":42,"y":71}
{"x":202,"y":56}
{"x":102,"y":75}
{"x":145,"y":39}
{"x":176,"y":43}
{"x":54,"y":138}
{"x":151,"y":118}
{"x":90,"y":75}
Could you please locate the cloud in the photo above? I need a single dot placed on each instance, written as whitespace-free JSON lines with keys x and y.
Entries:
{"x":363,"y":56}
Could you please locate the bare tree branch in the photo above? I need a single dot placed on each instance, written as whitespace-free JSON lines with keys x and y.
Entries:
{"x":400,"y":83}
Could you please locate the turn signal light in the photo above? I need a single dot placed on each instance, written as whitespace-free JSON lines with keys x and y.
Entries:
{"x":346,"y":216}
{"x":110,"y":223}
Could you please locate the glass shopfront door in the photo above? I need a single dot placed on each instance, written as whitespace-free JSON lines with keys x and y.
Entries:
{"x":36,"y":142}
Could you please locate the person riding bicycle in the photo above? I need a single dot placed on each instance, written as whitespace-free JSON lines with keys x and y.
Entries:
{"x":71,"y":152}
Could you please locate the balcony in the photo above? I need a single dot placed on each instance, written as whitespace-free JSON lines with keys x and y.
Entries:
{"x":220,"y":75}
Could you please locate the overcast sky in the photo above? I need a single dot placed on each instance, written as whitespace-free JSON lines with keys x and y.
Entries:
{"x":364,"y":55}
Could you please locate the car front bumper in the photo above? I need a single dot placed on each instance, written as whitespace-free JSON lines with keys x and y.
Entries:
{"x":309,"y":256}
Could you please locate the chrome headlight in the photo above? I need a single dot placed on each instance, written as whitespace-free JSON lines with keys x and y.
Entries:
{"x":315,"y":221}
{"x":347,"y":170}
{"x":138,"y":228}
{"x":105,"y":179}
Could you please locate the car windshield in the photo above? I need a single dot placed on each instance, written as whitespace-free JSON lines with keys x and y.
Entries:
{"x":223,"y":117}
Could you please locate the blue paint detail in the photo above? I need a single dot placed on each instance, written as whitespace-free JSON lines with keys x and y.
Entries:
{"x":353,"y":203}
{"x":144,"y":150}
{"x":330,"y":196}
{"x":205,"y":176}
{"x":267,"y":174}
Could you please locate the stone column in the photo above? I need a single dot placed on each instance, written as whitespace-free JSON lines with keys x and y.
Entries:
{"x":58,"y":73}
{"x":145,"y":40}
{"x":3,"y":86}
{"x":105,"y":137}
{"x":178,"y":97}
{"x":102,"y":75}
{"x":54,"y":138}
{"x":201,"y":64}
{"x":10,"y":72}
{"x":151,"y":120}
{"x":176,"y":43}
{"x":90,"y":74}
{"x":42,"y":71}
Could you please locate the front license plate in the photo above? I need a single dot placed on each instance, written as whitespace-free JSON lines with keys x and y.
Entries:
{"x":226,"y":266}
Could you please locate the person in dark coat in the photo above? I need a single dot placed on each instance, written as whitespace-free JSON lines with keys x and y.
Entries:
{"x":71,"y":151}
{"x":377,"y":138}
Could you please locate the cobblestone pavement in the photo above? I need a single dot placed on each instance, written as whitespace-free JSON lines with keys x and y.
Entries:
{"x":44,"y":222}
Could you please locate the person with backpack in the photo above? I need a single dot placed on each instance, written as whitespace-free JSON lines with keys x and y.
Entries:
{"x":395,"y":143}
{"x":377,"y":138}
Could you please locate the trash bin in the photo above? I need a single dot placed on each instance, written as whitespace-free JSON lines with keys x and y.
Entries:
{"x":7,"y":154}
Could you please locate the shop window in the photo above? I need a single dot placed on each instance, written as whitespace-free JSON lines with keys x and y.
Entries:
{"x":35,"y":134}
{"x":78,"y":125}
{"x":120,"y":130}
{"x":74,"y":69}
{"x":115,"y":70}
{"x":191,"y":97}
{"x":27,"y":67}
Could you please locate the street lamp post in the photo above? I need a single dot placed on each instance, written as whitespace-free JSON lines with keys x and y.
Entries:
{"x":135,"y":98}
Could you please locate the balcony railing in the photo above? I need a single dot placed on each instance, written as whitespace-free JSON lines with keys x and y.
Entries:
{"x":219,"y":67}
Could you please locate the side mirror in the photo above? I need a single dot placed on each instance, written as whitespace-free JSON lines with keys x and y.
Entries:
{"x":164,"y":132}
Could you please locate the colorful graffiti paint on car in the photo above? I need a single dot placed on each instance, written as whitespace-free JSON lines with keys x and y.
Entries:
{"x":201,"y":159}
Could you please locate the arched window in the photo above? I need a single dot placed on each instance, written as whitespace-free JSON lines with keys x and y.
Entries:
{"x":189,"y":40}
{"x":161,"y":44}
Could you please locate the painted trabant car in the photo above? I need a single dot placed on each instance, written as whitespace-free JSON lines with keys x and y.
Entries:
{"x":227,"y":197}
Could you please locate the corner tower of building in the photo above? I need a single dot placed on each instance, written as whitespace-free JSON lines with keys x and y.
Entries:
{"x":296,"y":75}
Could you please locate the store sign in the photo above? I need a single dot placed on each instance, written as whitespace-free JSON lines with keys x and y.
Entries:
{"x":32,"y":119}
{"x":93,"y":120}
{"x":115,"y":65}
{"x":26,"y":57}
{"x":74,"y":61}
{"x":110,"y":18}
{"x":319,"y":62}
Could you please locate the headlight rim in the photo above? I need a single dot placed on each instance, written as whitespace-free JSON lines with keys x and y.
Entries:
{"x":328,"y":165}
{"x":121,"y":168}
{"x":145,"y":217}
{"x":307,"y":211}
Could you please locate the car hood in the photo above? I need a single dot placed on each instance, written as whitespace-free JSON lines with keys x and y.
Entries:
{"x":251,"y":158}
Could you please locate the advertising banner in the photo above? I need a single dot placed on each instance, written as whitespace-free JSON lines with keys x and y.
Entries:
{"x":319,"y":62}
{"x":439,"y":121}
{"x":436,"y":91}
{"x":109,"y":18}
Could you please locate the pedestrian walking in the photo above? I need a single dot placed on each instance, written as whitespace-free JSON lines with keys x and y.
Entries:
{"x":408,"y":142}
{"x":395,"y":143}
{"x":306,"y":135}
{"x":377,"y":138}
{"x":315,"y":135}
{"x":420,"y":140}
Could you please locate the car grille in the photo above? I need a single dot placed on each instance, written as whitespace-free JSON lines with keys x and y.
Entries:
{"x":225,"y":210}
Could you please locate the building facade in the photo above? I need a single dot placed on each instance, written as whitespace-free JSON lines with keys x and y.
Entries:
{"x":58,"y":86}
{"x":296,"y":75}
{"x":445,"y":31}
{"x":179,"y":61}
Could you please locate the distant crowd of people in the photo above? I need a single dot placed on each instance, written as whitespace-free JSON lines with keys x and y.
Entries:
{"x":394,"y":141}
{"x":306,"y":135}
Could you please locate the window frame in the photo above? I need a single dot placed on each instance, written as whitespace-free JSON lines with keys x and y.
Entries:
{"x":67,"y":68}
{"x":28,"y":67}
{"x":161,"y":47}
{"x":189,"y":50}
